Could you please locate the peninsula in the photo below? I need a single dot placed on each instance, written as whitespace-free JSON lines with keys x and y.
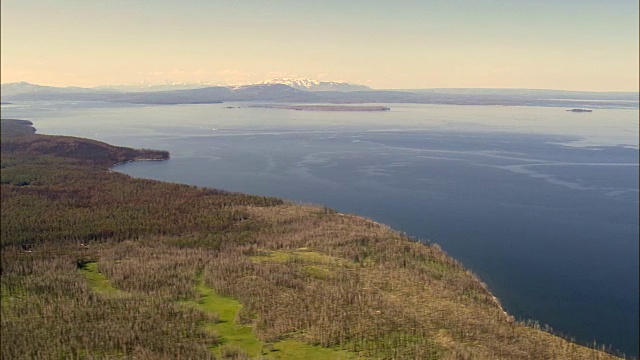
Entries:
{"x":96,"y":264}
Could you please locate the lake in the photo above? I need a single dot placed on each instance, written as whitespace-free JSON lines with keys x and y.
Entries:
{"x":541,"y":203}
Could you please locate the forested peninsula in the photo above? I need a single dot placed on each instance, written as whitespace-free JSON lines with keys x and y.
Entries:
{"x":99,"y":265}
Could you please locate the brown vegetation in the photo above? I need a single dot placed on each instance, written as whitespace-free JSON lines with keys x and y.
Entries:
{"x":300,"y":272}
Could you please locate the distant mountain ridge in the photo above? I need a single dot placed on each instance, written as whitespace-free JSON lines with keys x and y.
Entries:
{"x":10,"y":89}
{"x":23,"y":87}
{"x":287,"y":93}
{"x":314,"y":85}
{"x":155,"y":87}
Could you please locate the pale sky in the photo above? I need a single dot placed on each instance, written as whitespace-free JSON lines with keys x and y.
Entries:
{"x":541,"y":44}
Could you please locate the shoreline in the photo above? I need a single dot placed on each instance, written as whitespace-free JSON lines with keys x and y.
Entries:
{"x":494,"y":299}
{"x":135,"y":160}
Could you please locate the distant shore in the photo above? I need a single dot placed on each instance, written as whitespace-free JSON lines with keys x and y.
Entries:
{"x":325,"y":107}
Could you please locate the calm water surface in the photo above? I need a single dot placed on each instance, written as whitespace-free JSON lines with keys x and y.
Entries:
{"x":541,"y":203}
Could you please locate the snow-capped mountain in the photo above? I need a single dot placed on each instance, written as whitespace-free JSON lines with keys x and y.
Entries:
{"x":314,"y":85}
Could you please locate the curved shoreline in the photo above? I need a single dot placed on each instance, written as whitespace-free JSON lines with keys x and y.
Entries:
{"x":454,"y":270}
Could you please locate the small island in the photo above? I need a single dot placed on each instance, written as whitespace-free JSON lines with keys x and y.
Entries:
{"x":580,"y":110}
{"x":325,"y":107}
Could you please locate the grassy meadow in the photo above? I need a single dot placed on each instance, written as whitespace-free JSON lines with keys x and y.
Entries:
{"x":98,"y":265}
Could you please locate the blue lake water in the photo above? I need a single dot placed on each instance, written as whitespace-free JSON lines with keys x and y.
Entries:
{"x":541,"y":203}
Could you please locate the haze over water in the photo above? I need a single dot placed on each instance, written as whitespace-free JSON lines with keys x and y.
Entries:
{"x":541,"y":203}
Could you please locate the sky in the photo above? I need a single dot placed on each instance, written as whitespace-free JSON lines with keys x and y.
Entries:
{"x":589,"y":45}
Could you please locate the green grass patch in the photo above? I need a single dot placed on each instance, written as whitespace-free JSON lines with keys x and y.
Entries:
{"x":5,"y":294}
{"x":98,"y":281}
{"x":302,"y":255}
{"x":226,"y":310}
{"x":233,"y":335}
{"x":293,"y":350}
{"x":437,"y":266}
{"x":8,"y":297}
{"x":318,"y":272}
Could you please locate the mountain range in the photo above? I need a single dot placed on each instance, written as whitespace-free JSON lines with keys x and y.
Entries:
{"x":289,"y":90}
{"x":315,"y":85}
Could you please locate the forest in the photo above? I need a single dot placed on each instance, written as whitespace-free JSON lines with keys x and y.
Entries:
{"x":99,"y":265}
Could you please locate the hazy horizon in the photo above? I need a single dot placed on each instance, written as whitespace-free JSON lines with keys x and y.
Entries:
{"x":202,"y":84}
{"x":570,"y":45}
